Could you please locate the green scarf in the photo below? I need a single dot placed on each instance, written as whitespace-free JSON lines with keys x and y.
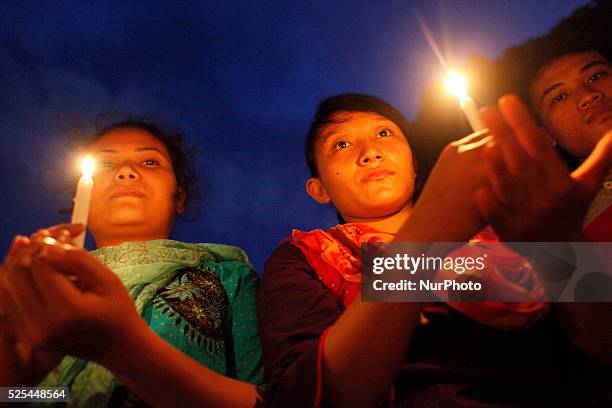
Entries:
{"x":144,"y":268}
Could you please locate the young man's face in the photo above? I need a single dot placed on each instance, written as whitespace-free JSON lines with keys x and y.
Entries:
{"x":573,"y":96}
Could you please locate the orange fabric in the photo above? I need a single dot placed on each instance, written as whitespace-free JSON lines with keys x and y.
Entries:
{"x":334,"y":255}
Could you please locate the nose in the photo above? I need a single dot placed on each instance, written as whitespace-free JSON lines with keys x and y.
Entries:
{"x":589,"y":97}
{"x":371,"y":153}
{"x":126,"y":171}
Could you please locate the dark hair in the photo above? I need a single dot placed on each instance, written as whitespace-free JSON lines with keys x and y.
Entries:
{"x":353,"y":102}
{"x":180,"y":155}
{"x":350,"y":102}
{"x":586,"y":29}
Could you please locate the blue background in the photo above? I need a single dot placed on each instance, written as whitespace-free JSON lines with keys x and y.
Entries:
{"x":242,"y":79}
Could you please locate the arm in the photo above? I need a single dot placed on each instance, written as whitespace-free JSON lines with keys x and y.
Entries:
{"x":362,"y":372}
{"x":294,"y":309}
{"x":361,"y":351}
{"x":21,"y":363}
{"x":96,"y":320}
{"x":315,"y":355}
{"x":530,"y":190}
{"x":446,"y":210}
{"x":162,"y":375}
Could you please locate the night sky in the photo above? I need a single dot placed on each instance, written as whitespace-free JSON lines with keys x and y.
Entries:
{"x":241,"y":79}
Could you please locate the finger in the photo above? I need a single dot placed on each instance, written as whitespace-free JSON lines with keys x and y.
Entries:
{"x":533,"y":138}
{"x":595,"y":167}
{"x":517,"y":160}
{"x":490,"y":210}
{"x":12,"y":322}
{"x":19,"y":242}
{"x":65,"y":232}
{"x":475,"y":145}
{"x":80,"y":264}
{"x":13,"y":325}
{"x":24,"y":350}
{"x":19,"y":283}
{"x":61,"y":232}
{"x":7,"y":313}
{"x":505,"y":188}
{"x":528,"y":132}
{"x":38,"y":235}
{"x":59,"y":291}
{"x":472,"y":138}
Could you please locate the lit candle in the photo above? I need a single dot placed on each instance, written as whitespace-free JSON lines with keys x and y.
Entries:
{"x":456,"y":84}
{"x":80,"y":209}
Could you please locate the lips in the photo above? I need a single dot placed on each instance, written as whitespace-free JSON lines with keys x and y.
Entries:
{"x":598,"y":113}
{"x":376,"y":174}
{"x":127,"y":192}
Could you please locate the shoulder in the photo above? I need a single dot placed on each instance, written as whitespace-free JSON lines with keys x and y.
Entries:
{"x":286,"y":251}
{"x":236,"y":277}
{"x":291,"y":253}
{"x":287,"y":261}
{"x":290,"y":282}
{"x":223,"y":253}
{"x":229,"y":265}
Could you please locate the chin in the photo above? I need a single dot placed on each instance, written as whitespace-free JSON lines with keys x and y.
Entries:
{"x":388,"y":198}
{"x":126,"y":218}
{"x":129,"y":218}
{"x":385,"y":208}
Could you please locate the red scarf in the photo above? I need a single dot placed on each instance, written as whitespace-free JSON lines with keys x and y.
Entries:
{"x":334,"y":255}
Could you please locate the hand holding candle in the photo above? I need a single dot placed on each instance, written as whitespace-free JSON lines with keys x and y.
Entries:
{"x":80,"y":209}
{"x":456,"y":84}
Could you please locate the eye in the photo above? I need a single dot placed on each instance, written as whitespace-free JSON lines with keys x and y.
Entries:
{"x":150,"y":162}
{"x":558,"y":98}
{"x":384,"y":133}
{"x":105,"y":164}
{"x":596,"y":76}
{"x":340,"y":145}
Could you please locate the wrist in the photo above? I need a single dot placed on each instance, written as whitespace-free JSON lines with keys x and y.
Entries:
{"x":131,"y":346}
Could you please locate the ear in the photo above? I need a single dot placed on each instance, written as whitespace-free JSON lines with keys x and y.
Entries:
{"x":180,"y":197}
{"x":316,"y":190}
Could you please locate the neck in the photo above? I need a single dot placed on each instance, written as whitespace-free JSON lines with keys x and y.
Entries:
{"x":389,"y":223}
{"x":105,"y":241}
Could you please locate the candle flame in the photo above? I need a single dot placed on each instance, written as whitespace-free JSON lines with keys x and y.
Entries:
{"x":455,"y":83}
{"x":87,"y":167}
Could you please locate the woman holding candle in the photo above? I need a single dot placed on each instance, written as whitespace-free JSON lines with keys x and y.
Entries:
{"x":182,"y":299}
{"x":323,"y":346}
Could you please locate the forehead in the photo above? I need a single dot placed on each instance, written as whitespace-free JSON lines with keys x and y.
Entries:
{"x":561,"y":70}
{"x":352,"y":121}
{"x":127,"y":139}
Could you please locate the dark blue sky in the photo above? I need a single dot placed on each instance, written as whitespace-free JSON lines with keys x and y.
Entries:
{"x":240,"y":78}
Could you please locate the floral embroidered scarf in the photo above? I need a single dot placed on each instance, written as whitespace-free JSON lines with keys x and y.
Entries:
{"x":334,"y":255}
{"x":144,"y":268}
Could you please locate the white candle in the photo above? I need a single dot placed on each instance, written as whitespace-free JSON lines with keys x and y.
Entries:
{"x":80,"y":209}
{"x":456,"y":84}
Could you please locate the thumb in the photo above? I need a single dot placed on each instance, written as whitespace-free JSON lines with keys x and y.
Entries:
{"x":595,"y":167}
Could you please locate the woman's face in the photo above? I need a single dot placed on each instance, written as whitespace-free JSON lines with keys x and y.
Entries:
{"x":365,"y":167}
{"x":135,"y":195}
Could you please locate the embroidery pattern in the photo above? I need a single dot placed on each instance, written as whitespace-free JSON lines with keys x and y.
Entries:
{"x":197,"y":303}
